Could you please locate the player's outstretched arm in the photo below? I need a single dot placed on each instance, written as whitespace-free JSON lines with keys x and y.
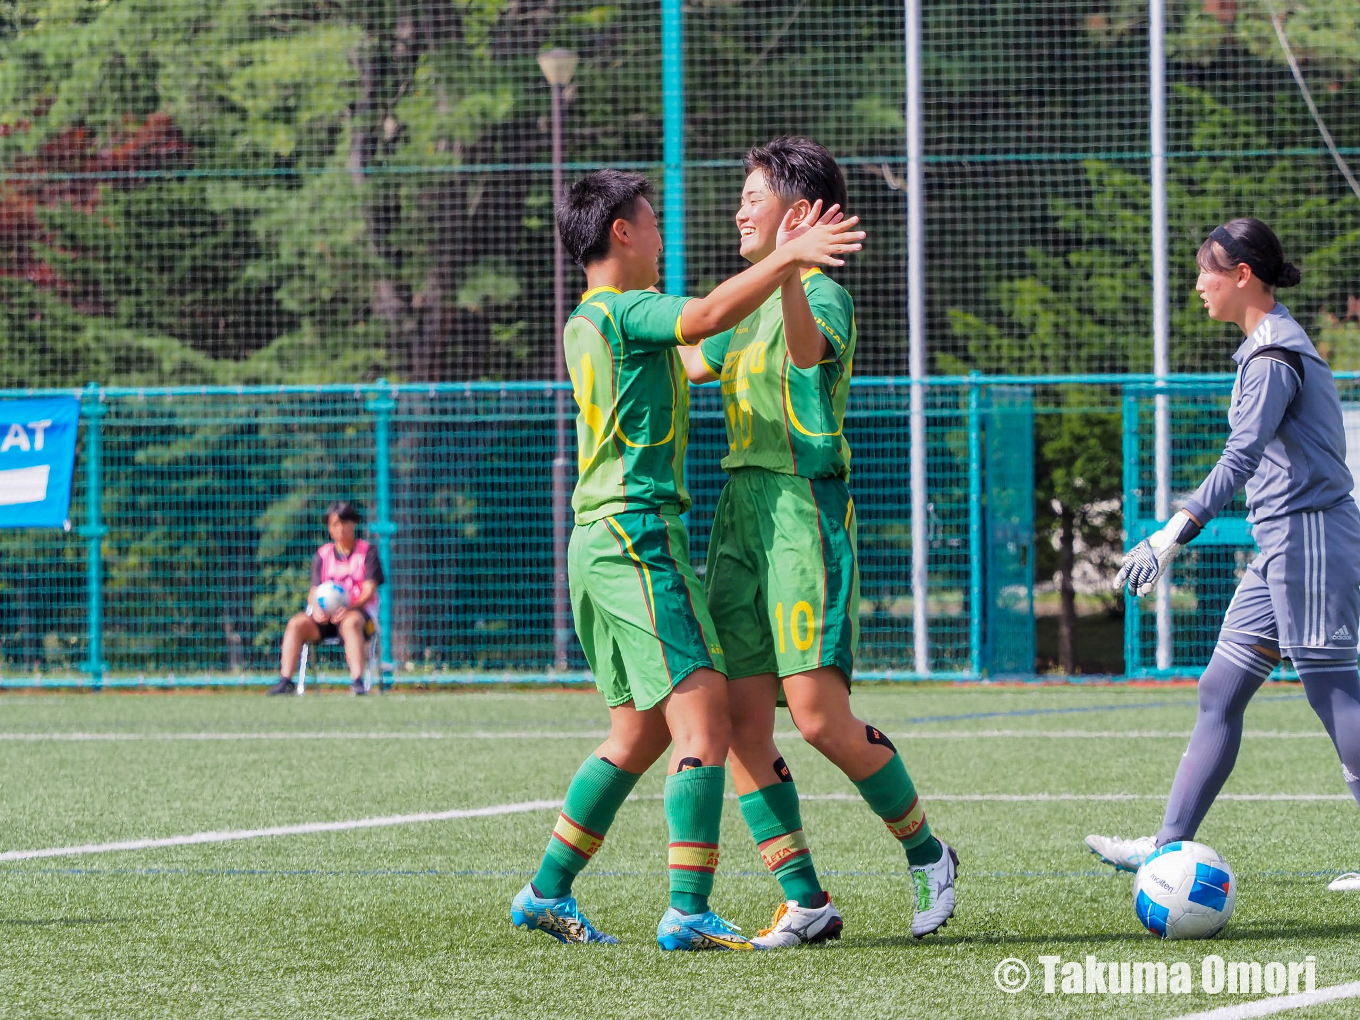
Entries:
{"x":802,"y":334}
{"x":734,"y":299}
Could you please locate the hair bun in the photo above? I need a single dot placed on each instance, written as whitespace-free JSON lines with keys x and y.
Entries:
{"x":1289,"y":275}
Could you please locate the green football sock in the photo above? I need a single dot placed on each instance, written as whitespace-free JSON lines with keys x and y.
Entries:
{"x":694,"y":801}
{"x":593,"y":799}
{"x":890,"y":795}
{"x":776,"y":824}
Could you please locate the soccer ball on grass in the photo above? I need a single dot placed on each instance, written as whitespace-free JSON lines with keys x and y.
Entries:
{"x":1184,"y":891}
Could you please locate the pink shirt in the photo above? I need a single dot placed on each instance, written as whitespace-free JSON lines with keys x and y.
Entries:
{"x":349,"y":572}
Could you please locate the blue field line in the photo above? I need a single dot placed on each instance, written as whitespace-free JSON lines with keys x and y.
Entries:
{"x":1102,"y":873}
{"x":1083,"y":708}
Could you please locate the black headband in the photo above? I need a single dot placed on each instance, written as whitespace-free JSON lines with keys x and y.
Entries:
{"x":1239,"y":254}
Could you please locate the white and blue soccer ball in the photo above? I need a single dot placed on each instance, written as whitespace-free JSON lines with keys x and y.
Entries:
{"x":1184,"y":891}
{"x":331,"y":598}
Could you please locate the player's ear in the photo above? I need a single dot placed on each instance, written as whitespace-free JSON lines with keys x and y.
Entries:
{"x":1244,"y":274}
{"x":800,"y":210}
{"x":620,"y":231}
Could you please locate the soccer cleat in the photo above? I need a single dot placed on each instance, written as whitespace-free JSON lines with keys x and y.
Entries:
{"x":699,"y":931}
{"x":561,"y":918}
{"x":1349,"y":882}
{"x":794,"y":925}
{"x":934,"y":892}
{"x":284,"y":686}
{"x":357,"y":688}
{"x":1123,"y":854}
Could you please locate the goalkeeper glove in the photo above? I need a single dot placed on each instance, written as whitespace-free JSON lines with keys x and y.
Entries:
{"x":1148,"y":560}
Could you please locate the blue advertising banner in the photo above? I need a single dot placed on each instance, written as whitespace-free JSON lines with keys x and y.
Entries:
{"x":37,"y":457}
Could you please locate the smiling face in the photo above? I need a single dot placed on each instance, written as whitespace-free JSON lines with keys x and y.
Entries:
{"x":758,"y":217}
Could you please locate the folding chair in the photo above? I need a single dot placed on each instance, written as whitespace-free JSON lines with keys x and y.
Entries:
{"x":372,"y":670}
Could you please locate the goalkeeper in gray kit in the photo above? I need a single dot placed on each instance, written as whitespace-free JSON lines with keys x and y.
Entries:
{"x":1300,"y":597}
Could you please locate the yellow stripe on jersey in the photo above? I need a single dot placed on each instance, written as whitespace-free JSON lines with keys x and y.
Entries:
{"x":849,"y":509}
{"x":793,"y":418}
{"x":607,"y":315}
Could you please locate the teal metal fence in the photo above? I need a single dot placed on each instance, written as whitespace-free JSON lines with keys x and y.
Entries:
{"x":196,"y":511}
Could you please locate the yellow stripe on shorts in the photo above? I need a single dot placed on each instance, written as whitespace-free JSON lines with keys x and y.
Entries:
{"x":646,"y":573}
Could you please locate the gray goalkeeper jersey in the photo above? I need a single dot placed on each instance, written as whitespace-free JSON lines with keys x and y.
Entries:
{"x":1287,"y":444}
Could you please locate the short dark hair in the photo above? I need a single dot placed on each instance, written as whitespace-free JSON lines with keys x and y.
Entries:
{"x":587,"y":210}
{"x":344,"y":510}
{"x":796,"y":167}
{"x":1251,"y":241}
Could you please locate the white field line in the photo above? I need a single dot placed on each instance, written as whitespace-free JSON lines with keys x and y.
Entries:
{"x":307,"y":828}
{"x":1278,"y":1003}
{"x":116,"y":737}
{"x":523,"y":807}
{"x":1039,"y":798}
{"x":1054,"y":798}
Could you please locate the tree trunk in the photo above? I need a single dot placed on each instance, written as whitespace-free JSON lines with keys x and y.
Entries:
{"x":1067,"y":614}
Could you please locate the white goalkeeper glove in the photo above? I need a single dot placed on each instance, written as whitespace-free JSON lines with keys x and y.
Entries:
{"x":1148,"y":560}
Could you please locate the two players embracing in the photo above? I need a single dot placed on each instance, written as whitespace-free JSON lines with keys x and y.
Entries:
{"x":782,"y":575}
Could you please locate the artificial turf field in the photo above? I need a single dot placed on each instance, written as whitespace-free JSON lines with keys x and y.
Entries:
{"x":412,"y":919}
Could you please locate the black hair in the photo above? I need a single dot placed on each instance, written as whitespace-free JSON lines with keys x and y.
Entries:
{"x":1250,"y":241}
{"x":344,"y":510}
{"x":797,"y":168}
{"x":587,"y":210}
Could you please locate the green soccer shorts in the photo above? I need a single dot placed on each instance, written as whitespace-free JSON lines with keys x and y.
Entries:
{"x":783,"y":574}
{"x":640,"y":610}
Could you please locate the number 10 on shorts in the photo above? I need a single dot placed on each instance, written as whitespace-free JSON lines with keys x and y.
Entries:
{"x":802,"y":626}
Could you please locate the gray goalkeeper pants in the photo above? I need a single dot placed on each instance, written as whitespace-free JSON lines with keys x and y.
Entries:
{"x":1301,"y":595}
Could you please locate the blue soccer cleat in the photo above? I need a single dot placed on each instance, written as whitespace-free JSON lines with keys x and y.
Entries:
{"x":699,"y":931}
{"x":561,"y":918}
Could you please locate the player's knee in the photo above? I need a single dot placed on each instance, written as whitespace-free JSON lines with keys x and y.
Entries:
{"x":719,"y":738}
{"x":821,"y":732}
{"x":297,"y":622}
{"x":748,"y":733}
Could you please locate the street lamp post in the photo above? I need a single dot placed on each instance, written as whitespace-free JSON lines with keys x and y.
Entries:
{"x":558,"y":66}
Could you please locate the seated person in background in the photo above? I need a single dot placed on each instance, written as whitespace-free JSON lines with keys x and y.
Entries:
{"x":353,"y":564}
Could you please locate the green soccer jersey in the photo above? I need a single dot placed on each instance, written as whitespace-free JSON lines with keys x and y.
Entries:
{"x":633,"y":397}
{"x":781,"y":417}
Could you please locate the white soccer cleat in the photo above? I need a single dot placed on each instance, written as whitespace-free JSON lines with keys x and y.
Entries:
{"x":1349,"y":882}
{"x":1122,"y":854}
{"x":934,"y":892}
{"x":794,"y":925}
